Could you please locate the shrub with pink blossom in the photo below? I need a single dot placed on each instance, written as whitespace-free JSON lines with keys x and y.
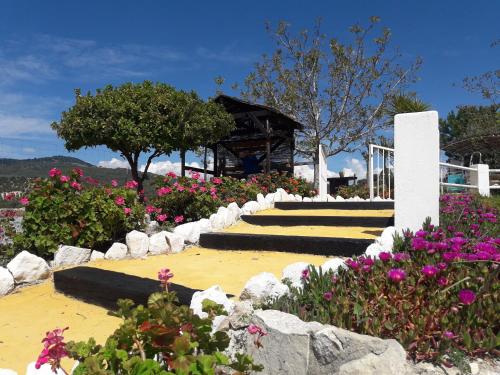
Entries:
{"x":437,"y":294}
{"x":76,"y":210}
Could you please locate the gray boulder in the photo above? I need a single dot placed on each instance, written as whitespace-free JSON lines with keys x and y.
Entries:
{"x":262,"y":287}
{"x":27,"y":267}
{"x":71,"y":255}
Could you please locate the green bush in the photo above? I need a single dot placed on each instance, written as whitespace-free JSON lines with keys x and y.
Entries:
{"x":360,"y":190}
{"x":65,"y":210}
{"x":438,"y":294}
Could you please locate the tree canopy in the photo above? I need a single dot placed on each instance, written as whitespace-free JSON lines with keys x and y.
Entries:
{"x":337,"y":90}
{"x":141,"y":119}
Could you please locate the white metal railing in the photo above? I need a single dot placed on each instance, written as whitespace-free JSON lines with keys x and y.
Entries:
{"x":455,"y":178}
{"x":380,"y":172}
{"x":494,"y":175}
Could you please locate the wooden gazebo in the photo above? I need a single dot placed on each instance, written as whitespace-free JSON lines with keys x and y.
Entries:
{"x":260,"y":130}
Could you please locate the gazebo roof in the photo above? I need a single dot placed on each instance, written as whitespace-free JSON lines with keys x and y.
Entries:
{"x":479,"y":143}
{"x":240,"y":108}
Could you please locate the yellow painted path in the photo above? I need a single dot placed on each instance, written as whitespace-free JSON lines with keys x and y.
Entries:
{"x":25,"y":316}
{"x":328,"y":212}
{"x":306,"y":230}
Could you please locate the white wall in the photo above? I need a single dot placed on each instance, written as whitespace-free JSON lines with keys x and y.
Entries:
{"x":416,"y":169}
{"x":481,"y":178}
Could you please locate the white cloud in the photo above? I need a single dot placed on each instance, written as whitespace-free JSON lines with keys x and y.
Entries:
{"x":159,"y":167}
{"x":13,"y":125}
{"x":355,"y":167}
{"x":29,"y":150}
{"x":307,"y":172}
{"x":114,"y":163}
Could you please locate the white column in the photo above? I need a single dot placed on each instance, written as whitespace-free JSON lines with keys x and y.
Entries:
{"x":481,"y":178}
{"x":416,"y":169}
{"x":323,"y":174}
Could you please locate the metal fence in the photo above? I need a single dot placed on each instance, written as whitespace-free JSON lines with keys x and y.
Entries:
{"x":380,"y":172}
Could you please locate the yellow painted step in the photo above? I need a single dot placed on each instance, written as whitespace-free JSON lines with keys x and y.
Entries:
{"x":328,"y":212}
{"x":26,"y":315}
{"x":306,"y":230}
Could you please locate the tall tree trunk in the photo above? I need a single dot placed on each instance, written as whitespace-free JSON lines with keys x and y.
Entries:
{"x":205,"y":164}
{"x":316,"y":167}
{"x":183,"y":162}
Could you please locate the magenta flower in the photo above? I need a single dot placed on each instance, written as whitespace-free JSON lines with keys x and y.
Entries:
{"x":328,"y":296}
{"x":217,"y":180}
{"x":418,"y":243}
{"x":164,"y":275}
{"x":400,"y":257}
{"x":114,"y":183}
{"x":466,"y":296}
{"x":385,"y":256}
{"x":305,"y":274}
{"x":396,"y":275}
{"x":119,"y":200}
{"x":54,"y":349}
{"x":24,"y":201}
{"x":150,"y":209}
{"x":179,"y":219}
{"x":54,"y":172}
{"x":442,"y":266}
{"x":131,"y":184}
{"x":127,"y":211}
{"x":75,"y":185}
{"x":171,"y":174}
{"x":429,"y":270}
{"x":161,"y":218}
{"x":421,"y":233}
{"x":355,"y":265}
{"x":443,"y":281}
{"x":195,"y":175}
{"x":163,"y":191}
{"x":448,"y":335}
{"x":254,"y":329}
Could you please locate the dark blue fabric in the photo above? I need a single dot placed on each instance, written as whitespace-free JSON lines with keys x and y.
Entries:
{"x":250,"y":164}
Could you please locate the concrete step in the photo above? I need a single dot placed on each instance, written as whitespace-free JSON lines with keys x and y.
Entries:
{"x":387,"y":205}
{"x":330,"y":246}
{"x":291,"y":220}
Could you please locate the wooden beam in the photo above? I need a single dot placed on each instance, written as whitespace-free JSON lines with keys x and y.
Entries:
{"x":239,"y":115}
{"x":268,"y":148}
{"x":273,"y":148}
{"x":264,"y":128}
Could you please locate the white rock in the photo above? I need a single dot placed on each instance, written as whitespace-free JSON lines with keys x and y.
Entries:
{"x":152,"y":227}
{"x":226,"y":216}
{"x":298,"y":198}
{"x":95,"y":255}
{"x":71,"y":255}
{"x":6,"y":281}
{"x":27,"y":267}
{"x":45,"y":369}
{"x":307,"y":199}
{"x":217,"y":221}
{"x":4,"y":371}
{"x":234,"y":210}
{"x":263,"y":204}
{"x":175,"y":242}
{"x":377,"y":199}
{"x":356,"y":198}
{"x":270,"y":199}
{"x":373,"y":250}
{"x":317,"y":198}
{"x":215,"y":294}
{"x":338,"y":198}
{"x":386,"y":238}
{"x":116,"y":251}
{"x":189,"y":231}
{"x":205,"y":226}
{"x":329,"y":198}
{"x":262,"y":287}
{"x":137,"y":243}
{"x":293,"y":272}
{"x":158,"y":243}
{"x":282,"y":196}
{"x":333,"y":265}
{"x":250,"y":208}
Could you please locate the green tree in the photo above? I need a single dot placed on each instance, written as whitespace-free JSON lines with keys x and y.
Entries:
{"x":476,"y":128}
{"x":337,"y":90}
{"x":198,"y":123}
{"x":404,"y":103}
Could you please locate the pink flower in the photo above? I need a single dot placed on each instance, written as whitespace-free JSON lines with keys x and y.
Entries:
{"x":64,"y":179}
{"x":119,"y":200}
{"x":24,"y":201}
{"x":448,"y":335}
{"x":75,"y":185}
{"x":255,"y":330}
{"x":54,"y":172}
{"x":114,"y":183}
{"x":396,"y":275}
{"x":9,"y":196}
{"x":328,"y":296}
{"x":217,"y":180}
{"x":195,"y":175}
{"x":203,"y":189}
{"x":150,"y":209}
{"x":305,"y":274}
{"x":429,"y":270}
{"x":180,"y":188}
{"x":78,"y":172}
{"x":179,"y":219}
{"x":54,"y":349}
{"x":161,"y":218}
{"x":353,"y":264}
{"x":213,"y":190}
{"x":171,"y":174}
{"x":399,"y":257}
{"x":443,"y":281}
{"x":131,"y":184}
{"x":385,"y":256}
{"x":164,"y":275}
{"x":466,"y":296}
{"x":163,"y":191}
{"x":127,"y":211}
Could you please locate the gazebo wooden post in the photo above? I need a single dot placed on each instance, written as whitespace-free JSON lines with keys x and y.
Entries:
{"x":216,"y":171}
{"x":268,"y":148}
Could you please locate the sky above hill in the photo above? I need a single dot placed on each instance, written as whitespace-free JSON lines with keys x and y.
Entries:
{"x":49,"y":48}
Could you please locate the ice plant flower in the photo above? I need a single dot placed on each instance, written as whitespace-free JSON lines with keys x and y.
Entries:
{"x":127,"y":211}
{"x":179,"y":219}
{"x":396,"y":275}
{"x":443,"y":281}
{"x":54,"y":172}
{"x":429,"y":270}
{"x":385,"y":256}
{"x":24,"y":201}
{"x":467,"y":296}
{"x":448,"y":335}
{"x":54,"y":349}
{"x":353,"y":264}
{"x":305,"y":274}
{"x":399,"y":257}
{"x":119,"y":200}
{"x":327,"y":296}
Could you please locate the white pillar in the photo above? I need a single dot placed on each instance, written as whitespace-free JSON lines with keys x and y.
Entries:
{"x":481,"y":178}
{"x":416,"y":169}
{"x":323,"y":174}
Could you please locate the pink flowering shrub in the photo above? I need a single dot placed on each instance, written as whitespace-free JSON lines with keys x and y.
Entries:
{"x":438,"y":293}
{"x":76,"y":210}
{"x":185,"y":199}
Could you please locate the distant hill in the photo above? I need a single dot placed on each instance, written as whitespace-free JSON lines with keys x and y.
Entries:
{"x":16,"y":173}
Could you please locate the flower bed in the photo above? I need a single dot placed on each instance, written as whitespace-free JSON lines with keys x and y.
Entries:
{"x":437,"y":294}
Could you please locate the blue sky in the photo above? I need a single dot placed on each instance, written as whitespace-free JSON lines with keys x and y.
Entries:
{"x":48,"y":48}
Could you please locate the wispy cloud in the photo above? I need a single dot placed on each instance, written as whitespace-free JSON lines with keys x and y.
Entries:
{"x":229,"y":54}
